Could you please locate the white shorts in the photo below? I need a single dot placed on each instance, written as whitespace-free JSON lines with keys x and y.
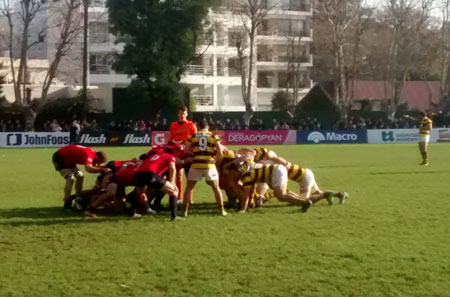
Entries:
{"x":196,"y":174}
{"x":69,"y":172}
{"x":280,"y":177}
{"x":308,"y":184}
{"x":261,"y":188}
{"x":425,"y":139}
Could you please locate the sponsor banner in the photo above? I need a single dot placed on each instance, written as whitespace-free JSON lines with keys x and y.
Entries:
{"x":160,"y":137}
{"x":406,"y":135}
{"x":264,"y":137}
{"x":33,"y":139}
{"x":115,"y":138}
{"x":393,"y":135}
{"x":440,"y":135}
{"x":324,"y":136}
{"x":221,"y":134}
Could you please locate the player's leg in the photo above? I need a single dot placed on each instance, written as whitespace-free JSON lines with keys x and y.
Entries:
{"x":279,"y":183}
{"x":218,"y":195}
{"x":109,"y":195}
{"x":69,"y":176}
{"x":172,"y":191}
{"x":423,"y":148}
{"x":179,"y":182}
{"x":188,"y":194}
{"x":212,"y":179}
{"x":79,"y":178}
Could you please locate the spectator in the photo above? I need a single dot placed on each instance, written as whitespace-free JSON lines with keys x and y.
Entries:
{"x":74,"y":132}
{"x":163,"y":126}
{"x":29,"y":127}
{"x":55,"y":127}
{"x":236,"y":125}
{"x":228,"y":125}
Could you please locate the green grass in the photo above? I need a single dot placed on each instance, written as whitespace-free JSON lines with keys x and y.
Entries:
{"x":391,"y":238}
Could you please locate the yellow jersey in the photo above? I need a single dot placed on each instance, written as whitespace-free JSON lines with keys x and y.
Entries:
{"x":203,"y":145}
{"x":225,"y":159}
{"x":295,"y":172}
{"x":253,"y":173}
{"x":422,"y":124}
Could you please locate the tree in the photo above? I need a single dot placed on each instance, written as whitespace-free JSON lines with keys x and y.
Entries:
{"x":247,"y":15}
{"x":2,"y":81}
{"x":407,"y":19}
{"x":160,"y":39}
{"x":445,"y":48}
{"x":281,"y":101}
{"x":64,"y":19}
{"x":340,"y":14}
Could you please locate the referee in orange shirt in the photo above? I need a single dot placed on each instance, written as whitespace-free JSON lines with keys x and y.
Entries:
{"x":181,"y":131}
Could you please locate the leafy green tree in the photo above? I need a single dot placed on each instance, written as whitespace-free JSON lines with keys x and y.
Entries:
{"x":160,"y":39}
{"x":281,"y":101}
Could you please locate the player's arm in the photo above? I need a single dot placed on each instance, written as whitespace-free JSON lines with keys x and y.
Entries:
{"x":172,"y":172}
{"x":246,"y":151}
{"x":219,"y":149}
{"x":410,"y":117}
{"x":429,"y":126}
{"x":246,"y":192}
{"x":93,"y":169}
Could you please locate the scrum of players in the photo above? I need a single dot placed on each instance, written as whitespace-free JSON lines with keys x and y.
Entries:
{"x":250,"y":177}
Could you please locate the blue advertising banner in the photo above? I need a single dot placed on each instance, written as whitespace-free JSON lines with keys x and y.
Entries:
{"x":328,"y":136}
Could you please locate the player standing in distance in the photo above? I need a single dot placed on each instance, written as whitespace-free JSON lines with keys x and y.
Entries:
{"x":205,"y":148}
{"x":180,"y":131}
{"x":66,"y":160}
{"x":425,"y":126}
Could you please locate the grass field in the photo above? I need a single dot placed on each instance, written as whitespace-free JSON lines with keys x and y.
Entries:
{"x":391,"y":238}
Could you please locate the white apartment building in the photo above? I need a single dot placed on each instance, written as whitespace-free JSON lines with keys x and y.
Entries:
{"x":214,"y":79}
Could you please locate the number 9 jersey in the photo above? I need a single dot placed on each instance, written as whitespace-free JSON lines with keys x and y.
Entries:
{"x":203,"y":145}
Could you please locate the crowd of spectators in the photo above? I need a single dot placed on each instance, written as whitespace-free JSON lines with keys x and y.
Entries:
{"x":305,"y":124}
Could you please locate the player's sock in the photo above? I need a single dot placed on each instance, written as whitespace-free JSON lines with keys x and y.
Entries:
{"x":425,"y":157}
{"x":269,"y":195}
{"x":179,"y":183}
{"x":173,"y":206}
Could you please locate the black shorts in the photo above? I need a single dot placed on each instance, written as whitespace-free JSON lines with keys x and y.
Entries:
{"x":149,"y":178}
{"x":58,"y":161}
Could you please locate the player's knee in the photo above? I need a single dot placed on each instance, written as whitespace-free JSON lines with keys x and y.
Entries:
{"x":79,"y":175}
{"x":70,"y":179}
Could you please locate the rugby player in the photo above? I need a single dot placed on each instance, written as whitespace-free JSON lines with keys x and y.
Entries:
{"x":66,"y":160}
{"x":114,"y":184}
{"x":425,"y":126}
{"x":149,"y":177}
{"x":274,"y":175}
{"x":308,"y":186}
{"x":180,"y":132}
{"x":205,"y":147}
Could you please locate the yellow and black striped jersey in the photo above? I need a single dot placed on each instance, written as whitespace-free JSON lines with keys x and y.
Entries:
{"x":423,"y":124}
{"x":225,"y":159}
{"x":203,"y":145}
{"x":261,"y":153}
{"x":295,"y":172}
{"x":253,"y":173}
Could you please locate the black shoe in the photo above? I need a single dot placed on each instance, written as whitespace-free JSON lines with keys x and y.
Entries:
{"x":67,"y":206}
{"x":306,"y":205}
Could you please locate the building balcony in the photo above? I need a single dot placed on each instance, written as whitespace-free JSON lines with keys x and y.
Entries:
{"x":203,"y":100}
{"x":284,"y":33}
{"x":199,"y":70}
{"x":99,"y":69}
{"x":100,"y":38}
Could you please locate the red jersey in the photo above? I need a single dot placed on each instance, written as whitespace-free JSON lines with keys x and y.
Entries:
{"x":76,"y":154}
{"x":158,"y":163}
{"x":125,"y":176}
{"x":181,"y":131}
